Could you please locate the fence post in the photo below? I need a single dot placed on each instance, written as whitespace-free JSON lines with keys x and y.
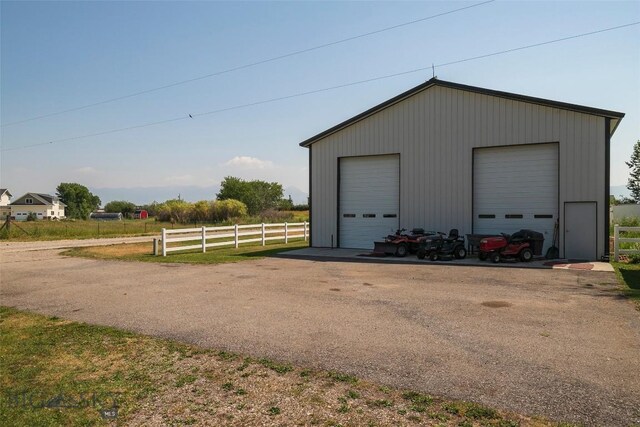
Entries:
{"x":264,"y":237}
{"x":236,"y":235}
{"x":164,"y":242}
{"x":616,"y":242}
{"x":305,"y":231}
{"x":155,"y":246}
{"x":204,"y":239}
{"x":286,"y":235}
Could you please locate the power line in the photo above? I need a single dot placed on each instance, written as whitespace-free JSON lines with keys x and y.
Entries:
{"x":296,"y":95}
{"x":538,"y":44}
{"x":242,"y":67}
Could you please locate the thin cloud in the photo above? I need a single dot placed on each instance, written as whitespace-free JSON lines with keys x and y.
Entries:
{"x":248,"y":162}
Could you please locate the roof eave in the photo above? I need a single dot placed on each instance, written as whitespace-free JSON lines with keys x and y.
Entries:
{"x":615,"y":115}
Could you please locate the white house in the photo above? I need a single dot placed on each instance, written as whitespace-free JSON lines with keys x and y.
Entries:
{"x":5,"y":199}
{"x":445,"y":155}
{"x":44,"y":206}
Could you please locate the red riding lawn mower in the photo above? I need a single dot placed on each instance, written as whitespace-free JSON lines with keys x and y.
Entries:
{"x":522,"y":245}
{"x":401,"y":244}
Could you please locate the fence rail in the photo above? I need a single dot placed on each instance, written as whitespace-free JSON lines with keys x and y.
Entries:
{"x":617,"y":240}
{"x":211,"y":237}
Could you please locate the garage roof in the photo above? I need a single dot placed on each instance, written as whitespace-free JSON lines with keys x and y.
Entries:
{"x":613,"y":115}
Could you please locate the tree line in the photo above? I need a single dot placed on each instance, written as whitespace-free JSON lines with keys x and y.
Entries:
{"x":236,"y":199}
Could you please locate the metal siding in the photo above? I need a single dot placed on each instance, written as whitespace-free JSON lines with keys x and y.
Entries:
{"x":436,"y":158}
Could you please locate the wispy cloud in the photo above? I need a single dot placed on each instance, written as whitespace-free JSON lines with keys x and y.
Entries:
{"x":249,"y":162}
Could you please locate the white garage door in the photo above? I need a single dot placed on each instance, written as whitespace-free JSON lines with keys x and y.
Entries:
{"x":516,"y":188}
{"x":369,"y":198}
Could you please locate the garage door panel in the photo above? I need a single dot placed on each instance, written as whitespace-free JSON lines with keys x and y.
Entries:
{"x":369,"y":199}
{"x":516,"y":180}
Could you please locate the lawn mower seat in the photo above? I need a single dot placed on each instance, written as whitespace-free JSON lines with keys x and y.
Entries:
{"x":453,"y":234}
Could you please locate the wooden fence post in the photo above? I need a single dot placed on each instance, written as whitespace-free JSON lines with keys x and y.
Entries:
{"x":164,"y":242}
{"x":236,"y":235}
{"x":264,"y":237}
{"x":616,"y":242}
{"x":155,"y":246}
{"x":305,"y":231}
{"x":204,"y":239}
{"x":286,"y":235}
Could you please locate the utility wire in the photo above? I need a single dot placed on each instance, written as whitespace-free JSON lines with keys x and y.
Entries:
{"x":296,"y":95}
{"x":242,"y":67}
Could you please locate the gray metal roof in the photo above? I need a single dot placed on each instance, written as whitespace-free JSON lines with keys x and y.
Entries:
{"x":613,"y":115}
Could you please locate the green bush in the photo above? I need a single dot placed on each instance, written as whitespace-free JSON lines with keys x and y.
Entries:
{"x":225,"y":210}
{"x":175,"y":211}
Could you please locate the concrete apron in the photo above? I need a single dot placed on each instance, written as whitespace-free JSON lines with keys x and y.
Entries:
{"x":363,"y":255}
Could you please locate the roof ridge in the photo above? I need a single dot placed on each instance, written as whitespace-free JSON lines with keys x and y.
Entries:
{"x":434,"y":81}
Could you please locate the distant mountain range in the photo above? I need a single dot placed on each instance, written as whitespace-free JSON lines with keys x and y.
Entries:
{"x":619,"y":190}
{"x":145,"y":195}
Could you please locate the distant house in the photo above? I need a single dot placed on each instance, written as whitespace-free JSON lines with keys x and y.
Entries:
{"x":43,"y":206}
{"x":5,"y":199}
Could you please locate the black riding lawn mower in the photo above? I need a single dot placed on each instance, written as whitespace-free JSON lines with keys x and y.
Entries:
{"x":441,"y":246}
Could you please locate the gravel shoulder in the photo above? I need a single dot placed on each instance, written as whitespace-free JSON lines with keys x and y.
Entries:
{"x":562,"y":344}
{"x":11,"y":247}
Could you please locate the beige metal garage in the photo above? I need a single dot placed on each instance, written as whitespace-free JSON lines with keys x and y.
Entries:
{"x":469,"y":158}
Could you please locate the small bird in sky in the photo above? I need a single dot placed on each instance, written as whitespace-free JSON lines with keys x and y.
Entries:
{"x":190,"y":116}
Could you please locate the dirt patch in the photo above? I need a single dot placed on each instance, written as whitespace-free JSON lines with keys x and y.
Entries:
{"x":367,"y":284}
{"x":497,"y":304}
{"x":586,"y":266}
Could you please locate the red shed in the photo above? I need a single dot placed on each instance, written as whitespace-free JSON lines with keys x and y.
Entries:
{"x":140,"y":214}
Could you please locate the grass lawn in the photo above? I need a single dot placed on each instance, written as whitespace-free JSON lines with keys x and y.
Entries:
{"x":144,"y":252}
{"x":90,"y":229}
{"x":56,"y":372}
{"x":629,"y":276}
{"x":80,"y":229}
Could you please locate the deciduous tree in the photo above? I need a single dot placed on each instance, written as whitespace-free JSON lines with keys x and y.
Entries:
{"x":256,"y":195}
{"x":122,"y":206}
{"x":633,"y":184}
{"x":79,"y":200}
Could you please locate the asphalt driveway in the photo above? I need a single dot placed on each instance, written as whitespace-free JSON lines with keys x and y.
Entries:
{"x":557,"y":343}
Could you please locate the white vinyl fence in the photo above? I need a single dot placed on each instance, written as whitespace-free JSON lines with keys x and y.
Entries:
{"x":232,"y":235}
{"x":617,"y":240}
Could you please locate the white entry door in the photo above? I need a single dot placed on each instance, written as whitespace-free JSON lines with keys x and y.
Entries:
{"x":580,"y":230}
{"x":368,"y":200}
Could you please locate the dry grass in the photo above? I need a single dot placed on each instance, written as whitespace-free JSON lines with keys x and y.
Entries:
{"x":161,"y":382}
{"x":144,"y":252}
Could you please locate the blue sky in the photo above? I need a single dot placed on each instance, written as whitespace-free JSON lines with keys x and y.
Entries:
{"x":60,"y":55}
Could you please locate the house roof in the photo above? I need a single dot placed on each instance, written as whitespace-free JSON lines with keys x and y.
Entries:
{"x":613,"y":115}
{"x":43,"y":198}
{"x":4,"y":190}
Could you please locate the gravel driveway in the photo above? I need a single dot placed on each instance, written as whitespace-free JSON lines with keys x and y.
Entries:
{"x":561,"y":344}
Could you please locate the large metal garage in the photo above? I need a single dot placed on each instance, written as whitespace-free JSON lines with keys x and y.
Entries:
{"x":444,"y":155}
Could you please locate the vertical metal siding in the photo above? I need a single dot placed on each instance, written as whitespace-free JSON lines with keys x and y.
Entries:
{"x":435,"y":131}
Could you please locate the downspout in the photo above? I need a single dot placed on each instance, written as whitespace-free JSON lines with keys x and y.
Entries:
{"x":607,"y":182}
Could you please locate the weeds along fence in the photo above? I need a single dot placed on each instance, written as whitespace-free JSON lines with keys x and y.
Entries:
{"x":232,"y":235}
{"x":626,"y":240}
{"x":70,"y":229}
